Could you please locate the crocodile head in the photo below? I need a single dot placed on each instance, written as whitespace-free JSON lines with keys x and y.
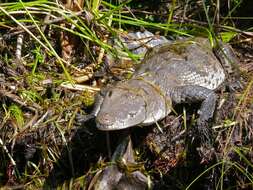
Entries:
{"x":122,"y":107}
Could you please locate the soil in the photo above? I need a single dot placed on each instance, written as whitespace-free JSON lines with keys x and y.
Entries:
{"x":49,"y":145}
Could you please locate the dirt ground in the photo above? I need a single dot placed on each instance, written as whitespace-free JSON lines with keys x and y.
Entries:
{"x":43,"y":145}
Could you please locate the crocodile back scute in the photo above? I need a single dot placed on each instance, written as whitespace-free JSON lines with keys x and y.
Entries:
{"x":183,"y":63}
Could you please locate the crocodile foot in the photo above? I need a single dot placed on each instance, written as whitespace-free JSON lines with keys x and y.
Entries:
{"x":192,"y":94}
{"x":205,"y":149}
{"x":206,"y":153}
{"x":122,"y":173}
{"x":81,"y":119}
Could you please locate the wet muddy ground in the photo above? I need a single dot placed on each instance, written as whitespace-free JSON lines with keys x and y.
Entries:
{"x":62,"y":151}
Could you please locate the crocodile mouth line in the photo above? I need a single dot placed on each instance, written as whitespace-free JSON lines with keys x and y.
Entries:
{"x":114,"y":127}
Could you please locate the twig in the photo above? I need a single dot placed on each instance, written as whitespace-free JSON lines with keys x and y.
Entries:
{"x":79,"y":87}
{"x":19,"y":46}
{"x":108,"y":145}
{"x":7,"y":152}
{"x":48,"y":22}
{"x":16,"y":99}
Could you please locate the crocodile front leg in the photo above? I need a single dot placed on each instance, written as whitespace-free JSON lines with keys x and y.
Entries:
{"x":191,"y":94}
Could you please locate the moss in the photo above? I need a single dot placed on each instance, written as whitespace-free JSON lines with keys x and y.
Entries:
{"x":88,"y":98}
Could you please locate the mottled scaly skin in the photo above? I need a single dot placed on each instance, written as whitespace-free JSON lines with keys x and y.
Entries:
{"x":182,"y":72}
{"x":182,"y":63}
{"x":121,"y":176}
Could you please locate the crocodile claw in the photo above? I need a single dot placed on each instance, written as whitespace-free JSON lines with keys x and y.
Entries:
{"x":206,"y":153}
{"x":204,"y":133}
{"x":124,"y":173}
{"x":81,"y":119}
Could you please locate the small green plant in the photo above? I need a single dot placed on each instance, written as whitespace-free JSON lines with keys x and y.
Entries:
{"x":17,"y":113}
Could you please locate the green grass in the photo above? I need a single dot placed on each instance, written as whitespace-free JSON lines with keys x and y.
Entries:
{"x":57,"y":107}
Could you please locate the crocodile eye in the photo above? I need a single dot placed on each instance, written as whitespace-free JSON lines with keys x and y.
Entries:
{"x":110,"y":93}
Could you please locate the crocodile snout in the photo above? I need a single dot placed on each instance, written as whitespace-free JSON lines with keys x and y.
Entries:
{"x":104,"y":120}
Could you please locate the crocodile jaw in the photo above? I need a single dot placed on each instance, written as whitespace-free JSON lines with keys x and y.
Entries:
{"x":113,"y":127}
{"x":109,"y":121}
{"x":106,"y":122}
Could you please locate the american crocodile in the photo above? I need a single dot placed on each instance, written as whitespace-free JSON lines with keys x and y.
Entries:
{"x":186,"y":71}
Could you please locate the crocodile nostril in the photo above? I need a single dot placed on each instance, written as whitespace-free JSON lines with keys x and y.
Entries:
{"x":105,"y":119}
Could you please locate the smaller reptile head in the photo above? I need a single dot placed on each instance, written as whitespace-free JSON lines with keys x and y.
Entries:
{"x":121,"y":108}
